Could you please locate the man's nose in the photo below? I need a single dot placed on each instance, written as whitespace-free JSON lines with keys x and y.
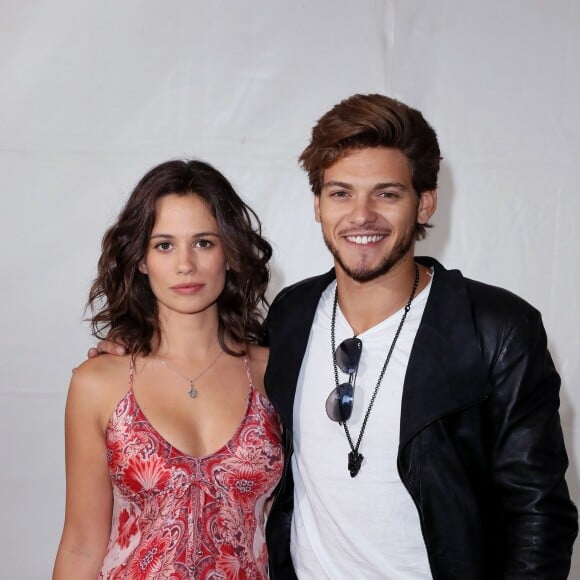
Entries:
{"x":363,"y":212}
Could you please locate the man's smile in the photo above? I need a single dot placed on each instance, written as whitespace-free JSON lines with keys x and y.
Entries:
{"x":366,"y":238}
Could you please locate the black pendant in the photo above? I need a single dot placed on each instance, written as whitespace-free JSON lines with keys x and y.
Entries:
{"x":355,"y":460}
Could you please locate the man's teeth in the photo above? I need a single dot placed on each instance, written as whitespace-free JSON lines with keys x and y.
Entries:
{"x":364,"y":239}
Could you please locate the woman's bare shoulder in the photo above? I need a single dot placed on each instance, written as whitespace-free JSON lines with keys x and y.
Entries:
{"x":258,"y":359}
{"x":258,"y":354}
{"x":101,"y":380}
{"x":105,"y":368}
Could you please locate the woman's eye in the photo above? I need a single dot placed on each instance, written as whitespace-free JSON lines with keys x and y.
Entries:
{"x":203,"y":244}
{"x":163,"y":246}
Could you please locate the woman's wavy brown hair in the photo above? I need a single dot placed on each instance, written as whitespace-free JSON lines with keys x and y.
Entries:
{"x":123,"y":306}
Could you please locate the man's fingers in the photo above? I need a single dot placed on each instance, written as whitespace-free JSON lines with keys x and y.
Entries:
{"x":109,"y":347}
{"x":106,"y":347}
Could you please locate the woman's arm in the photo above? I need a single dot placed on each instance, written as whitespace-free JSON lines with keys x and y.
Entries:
{"x":89,"y":497}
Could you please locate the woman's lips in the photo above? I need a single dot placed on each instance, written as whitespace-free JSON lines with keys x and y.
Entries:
{"x":187,"y":288}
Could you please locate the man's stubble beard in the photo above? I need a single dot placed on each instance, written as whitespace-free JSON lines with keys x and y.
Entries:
{"x":363,"y":274}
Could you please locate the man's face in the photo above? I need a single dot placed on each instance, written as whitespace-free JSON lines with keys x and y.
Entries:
{"x":368,"y":210}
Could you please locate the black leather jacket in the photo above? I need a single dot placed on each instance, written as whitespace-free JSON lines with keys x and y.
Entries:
{"x":481,"y":449}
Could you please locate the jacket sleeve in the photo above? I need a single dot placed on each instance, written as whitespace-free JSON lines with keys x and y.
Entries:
{"x":279,"y":520}
{"x":529,"y":458}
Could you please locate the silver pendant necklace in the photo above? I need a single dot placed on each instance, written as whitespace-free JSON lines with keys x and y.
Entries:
{"x":192,"y":391}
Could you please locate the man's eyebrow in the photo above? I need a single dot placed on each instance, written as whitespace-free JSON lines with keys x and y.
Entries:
{"x":377,"y":186}
{"x":337,"y":184}
{"x":388,"y":184}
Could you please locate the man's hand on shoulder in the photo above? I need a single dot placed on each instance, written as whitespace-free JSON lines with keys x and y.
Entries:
{"x":106,"y":347}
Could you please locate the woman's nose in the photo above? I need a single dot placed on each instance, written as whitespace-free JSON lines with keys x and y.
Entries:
{"x":186,"y":263}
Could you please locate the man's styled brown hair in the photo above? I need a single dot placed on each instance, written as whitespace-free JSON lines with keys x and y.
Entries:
{"x":123,"y":305}
{"x":374,"y":121}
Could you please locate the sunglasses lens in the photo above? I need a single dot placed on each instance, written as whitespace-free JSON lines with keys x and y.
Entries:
{"x":348,"y":355}
{"x":339,"y":402}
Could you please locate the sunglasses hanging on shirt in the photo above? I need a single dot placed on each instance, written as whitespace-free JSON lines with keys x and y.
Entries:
{"x":339,"y":402}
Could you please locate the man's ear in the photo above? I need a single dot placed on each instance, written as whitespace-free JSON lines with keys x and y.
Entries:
{"x":317,"y":208}
{"x":142,"y":267}
{"x":427,"y":205}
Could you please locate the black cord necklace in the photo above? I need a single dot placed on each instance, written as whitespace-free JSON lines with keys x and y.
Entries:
{"x":355,"y":458}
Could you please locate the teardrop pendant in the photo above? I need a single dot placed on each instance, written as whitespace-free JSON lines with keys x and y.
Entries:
{"x":192,"y":390}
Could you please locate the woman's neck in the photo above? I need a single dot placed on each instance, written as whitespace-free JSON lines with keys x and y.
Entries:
{"x":188,"y":337}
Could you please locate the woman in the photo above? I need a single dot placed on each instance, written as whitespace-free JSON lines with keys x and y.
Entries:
{"x":173,"y":451}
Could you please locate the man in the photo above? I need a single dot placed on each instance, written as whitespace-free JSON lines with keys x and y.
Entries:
{"x":430,"y":447}
{"x":451,"y":464}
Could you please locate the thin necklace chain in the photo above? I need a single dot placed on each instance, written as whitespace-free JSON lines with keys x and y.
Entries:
{"x":355,"y":448}
{"x":192,"y":390}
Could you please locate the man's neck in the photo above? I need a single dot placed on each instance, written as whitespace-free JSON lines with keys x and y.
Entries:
{"x":366,"y":304}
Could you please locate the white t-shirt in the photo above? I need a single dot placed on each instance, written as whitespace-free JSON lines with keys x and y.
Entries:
{"x":367,"y":526}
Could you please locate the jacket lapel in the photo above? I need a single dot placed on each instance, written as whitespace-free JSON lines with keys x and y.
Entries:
{"x":445,"y":371}
{"x":290,"y":322}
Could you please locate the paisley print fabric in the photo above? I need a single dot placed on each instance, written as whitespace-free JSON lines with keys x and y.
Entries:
{"x":177,"y":516}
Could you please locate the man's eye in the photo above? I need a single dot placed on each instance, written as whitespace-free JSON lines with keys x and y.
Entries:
{"x":388,"y":194}
{"x":339,"y":193}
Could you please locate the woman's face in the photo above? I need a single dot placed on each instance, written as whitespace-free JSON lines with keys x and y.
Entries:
{"x":185,"y":259}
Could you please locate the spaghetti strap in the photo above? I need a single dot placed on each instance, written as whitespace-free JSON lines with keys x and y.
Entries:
{"x":131,"y":373}
{"x":248,"y":371}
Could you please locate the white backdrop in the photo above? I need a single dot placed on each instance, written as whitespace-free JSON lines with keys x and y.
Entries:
{"x":92,"y":94}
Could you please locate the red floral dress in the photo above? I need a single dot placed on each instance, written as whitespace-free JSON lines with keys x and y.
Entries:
{"x":181,"y":517}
